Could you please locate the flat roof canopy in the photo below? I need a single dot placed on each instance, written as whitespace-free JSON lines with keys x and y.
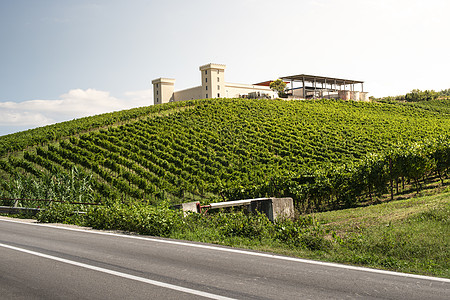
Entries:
{"x":320,"y":79}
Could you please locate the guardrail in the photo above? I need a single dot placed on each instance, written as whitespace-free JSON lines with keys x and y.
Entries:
{"x":15,"y":209}
{"x":233,"y":203}
{"x":16,"y":201}
{"x":18,"y":210}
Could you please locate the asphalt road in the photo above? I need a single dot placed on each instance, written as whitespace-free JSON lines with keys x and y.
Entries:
{"x":53,"y":262}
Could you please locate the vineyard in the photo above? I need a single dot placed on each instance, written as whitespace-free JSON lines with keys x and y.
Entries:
{"x":323,"y":153}
{"x":438,"y":105}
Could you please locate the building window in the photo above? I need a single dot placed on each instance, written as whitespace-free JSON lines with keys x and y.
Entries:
{"x":218,"y":87}
{"x":218,"y":79}
{"x":157,"y":100}
{"x":206,"y":87}
{"x":156,"y":92}
{"x":217,"y":71}
{"x":206,"y":96}
{"x":206,"y":72}
{"x":218,"y":95}
{"x":206,"y":79}
{"x":156,"y":85}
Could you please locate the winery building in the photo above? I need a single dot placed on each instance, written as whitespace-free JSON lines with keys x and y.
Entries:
{"x":298,"y":87}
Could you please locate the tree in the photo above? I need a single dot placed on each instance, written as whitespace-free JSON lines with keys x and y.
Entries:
{"x":418,"y":95}
{"x":279,"y":86}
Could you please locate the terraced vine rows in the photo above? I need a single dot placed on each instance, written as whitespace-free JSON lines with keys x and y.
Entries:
{"x":218,"y":145}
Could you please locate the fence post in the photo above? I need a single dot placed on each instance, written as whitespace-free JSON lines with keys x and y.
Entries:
{"x":390,"y":175}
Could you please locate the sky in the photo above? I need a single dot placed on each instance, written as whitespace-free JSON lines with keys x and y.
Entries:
{"x":61,"y":60}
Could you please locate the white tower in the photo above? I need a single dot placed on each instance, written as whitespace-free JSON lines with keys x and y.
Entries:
{"x":163,"y":90}
{"x":213,"y":81}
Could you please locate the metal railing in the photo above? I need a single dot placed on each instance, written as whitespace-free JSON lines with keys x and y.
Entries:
{"x":15,"y":209}
{"x":16,"y":201}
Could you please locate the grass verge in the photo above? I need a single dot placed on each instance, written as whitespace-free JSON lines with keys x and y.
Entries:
{"x":407,"y":235}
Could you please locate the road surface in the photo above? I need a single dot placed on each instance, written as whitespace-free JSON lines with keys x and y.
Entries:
{"x":39,"y":261}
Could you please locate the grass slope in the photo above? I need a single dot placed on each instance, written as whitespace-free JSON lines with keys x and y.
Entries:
{"x":407,"y":236}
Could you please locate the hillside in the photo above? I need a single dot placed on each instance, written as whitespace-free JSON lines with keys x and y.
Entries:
{"x":214,"y":148}
{"x":439,"y":105}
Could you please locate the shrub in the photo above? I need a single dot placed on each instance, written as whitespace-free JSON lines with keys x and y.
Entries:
{"x":61,"y":213}
{"x":157,"y":221}
{"x":304,"y":232}
{"x":245,"y":225}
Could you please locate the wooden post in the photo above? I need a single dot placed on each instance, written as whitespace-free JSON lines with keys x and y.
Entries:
{"x":390,"y":175}
{"x":303,"y":82}
{"x":314,"y":97}
{"x":345,"y":92}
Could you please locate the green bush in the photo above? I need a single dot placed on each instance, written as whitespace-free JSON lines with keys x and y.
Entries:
{"x":61,"y":213}
{"x":288,"y":232}
{"x":304,"y":232}
{"x":314,"y":240}
{"x":253,"y":226}
{"x":157,"y":221}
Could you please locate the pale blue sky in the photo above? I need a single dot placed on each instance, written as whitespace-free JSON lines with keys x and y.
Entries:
{"x":61,"y":60}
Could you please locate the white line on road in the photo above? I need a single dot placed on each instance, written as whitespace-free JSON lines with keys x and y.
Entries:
{"x":244,"y":252}
{"x":119,"y":274}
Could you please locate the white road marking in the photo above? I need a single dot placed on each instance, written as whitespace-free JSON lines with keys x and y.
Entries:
{"x":119,"y":274}
{"x":244,"y":252}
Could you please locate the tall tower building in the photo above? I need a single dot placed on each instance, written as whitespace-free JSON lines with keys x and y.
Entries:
{"x":213,"y":81}
{"x":163,"y":90}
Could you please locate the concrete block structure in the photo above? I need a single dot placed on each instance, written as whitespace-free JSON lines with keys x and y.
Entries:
{"x":273,"y":208}
{"x":213,"y":85}
{"x":190,"y":207}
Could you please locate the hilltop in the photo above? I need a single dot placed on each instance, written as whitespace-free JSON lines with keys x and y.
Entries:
{"x":216,"y":149}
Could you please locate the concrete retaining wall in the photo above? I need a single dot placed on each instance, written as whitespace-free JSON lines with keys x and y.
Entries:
{"x":273,"y":208}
